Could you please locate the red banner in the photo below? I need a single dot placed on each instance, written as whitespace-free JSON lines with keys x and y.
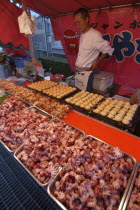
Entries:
{"x":9,"y":29}
{"x":122,"y":28}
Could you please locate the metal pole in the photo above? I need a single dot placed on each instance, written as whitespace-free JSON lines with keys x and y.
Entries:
{"x":45,"y":31}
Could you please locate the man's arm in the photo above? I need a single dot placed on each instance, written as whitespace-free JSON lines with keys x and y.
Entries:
{"x":95,"y":65}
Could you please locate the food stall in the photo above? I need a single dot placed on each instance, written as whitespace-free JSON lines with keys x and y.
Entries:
{"x":86,"y":162}
{"x":24,"y":144}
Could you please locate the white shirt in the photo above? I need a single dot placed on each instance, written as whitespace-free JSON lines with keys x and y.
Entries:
{"x":91,"y":44}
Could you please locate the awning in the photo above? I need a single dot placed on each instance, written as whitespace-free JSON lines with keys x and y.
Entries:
{"x":60,"y":7}
{"x":9,"y":29}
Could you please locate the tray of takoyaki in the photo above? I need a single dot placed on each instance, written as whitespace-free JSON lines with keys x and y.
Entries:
{"x":117,"y":112}
{"x":42,"y":85}
{"x":83,"y":101}
{"x":60,"y":91}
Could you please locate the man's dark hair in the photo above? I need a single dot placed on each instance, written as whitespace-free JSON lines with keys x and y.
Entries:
{"x":82,"y":11}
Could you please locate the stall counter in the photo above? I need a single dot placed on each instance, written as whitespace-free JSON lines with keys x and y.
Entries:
{"x":111,"y":135}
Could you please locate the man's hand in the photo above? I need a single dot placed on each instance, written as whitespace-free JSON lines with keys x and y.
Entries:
{"x":94,"y":66}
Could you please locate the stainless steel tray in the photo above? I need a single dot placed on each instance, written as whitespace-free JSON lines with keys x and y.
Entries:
{"x":52,"y":183}
{"x":22,"y":146}
{"x":25,"y":102}
{"x":43,"y":185}
{"x":41,"y":112}
{"x":12,"y":151}
{"x":131,"y":175}
{"x":131,"y":187}
{"x":50,"y":191}
{"x":28,"y":105}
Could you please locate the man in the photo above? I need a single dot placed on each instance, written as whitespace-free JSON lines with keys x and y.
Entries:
{"x":90,"y":47}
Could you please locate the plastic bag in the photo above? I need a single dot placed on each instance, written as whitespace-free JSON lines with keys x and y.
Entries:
{"x":40,"y":70}
{"x":27,"y":25}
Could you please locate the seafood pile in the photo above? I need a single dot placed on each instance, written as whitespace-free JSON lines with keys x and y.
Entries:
{"x":9,"y":105}
{"x":94,"y":177}
{"x":51,"y":106}
{"x":14,"y":125}
{"x":119,"y":111}
{"x":42,"y":85}
{"x":47,"y":145}
{"x":134,"y":203}
{"x":84,"y":100}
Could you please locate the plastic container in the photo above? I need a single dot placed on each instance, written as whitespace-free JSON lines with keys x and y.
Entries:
{"x":19,"y":62}
{"x":102,"y":80}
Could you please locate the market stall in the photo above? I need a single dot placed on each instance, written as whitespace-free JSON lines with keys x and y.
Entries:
{"x":33,"y":143}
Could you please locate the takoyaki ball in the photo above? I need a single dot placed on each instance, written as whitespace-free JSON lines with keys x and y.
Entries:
{"x":125,"y":121}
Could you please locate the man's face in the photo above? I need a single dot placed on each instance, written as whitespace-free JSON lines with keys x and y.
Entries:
{"x":81,"y":23}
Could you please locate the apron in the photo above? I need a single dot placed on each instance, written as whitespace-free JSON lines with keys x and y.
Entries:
{"x":81,"y":79}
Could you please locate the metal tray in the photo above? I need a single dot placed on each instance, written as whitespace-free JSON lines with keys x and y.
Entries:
{"x":131,"y":175}
{"x":82,"y":110}
{"x":11,"y":151}
{"x":63,"y":97}
{"x":22,"y":146}
{"x":131,"y":187}
{"x":25,"y":102}
{"x":43,"y":185}
{"x":42,"y":112}
{"x":28,"y":106}
{"x":50,"y":191}
{"x":52,"y":183}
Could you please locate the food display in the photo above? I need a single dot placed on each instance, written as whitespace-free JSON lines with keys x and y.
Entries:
{"x":42,"y":85}
{"x":59,"y":91}
{"x":9,"y":105}
{"x":95,"y":177}
{"x":132,"y":200}
{"x":118,"y":111}
{"x":84,"y":100}
{"x":43,"y":154}
{"x":51,"y":106}
{"x":12,"y":122}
